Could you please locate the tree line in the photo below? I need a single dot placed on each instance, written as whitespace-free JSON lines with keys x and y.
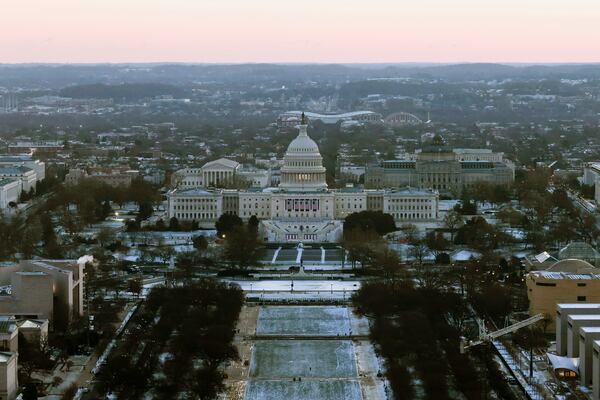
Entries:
{"x":176,"y":343}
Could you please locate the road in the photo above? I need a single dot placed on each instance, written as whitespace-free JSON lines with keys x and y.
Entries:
{"x":298,"y":285}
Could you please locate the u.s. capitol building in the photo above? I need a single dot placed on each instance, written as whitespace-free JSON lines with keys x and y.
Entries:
{"x":301,"y":208}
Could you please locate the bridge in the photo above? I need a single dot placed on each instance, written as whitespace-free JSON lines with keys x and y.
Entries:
{"x":402,"y":119}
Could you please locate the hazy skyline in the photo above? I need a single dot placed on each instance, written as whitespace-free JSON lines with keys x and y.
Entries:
{"x":85,"y":31}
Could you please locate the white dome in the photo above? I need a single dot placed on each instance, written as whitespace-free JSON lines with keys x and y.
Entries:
{"x":303,"y":165}
{"x":302,"y":145}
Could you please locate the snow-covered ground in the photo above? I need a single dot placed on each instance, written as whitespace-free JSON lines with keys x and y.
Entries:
{"x":298,"y":286}
{"x":313,"y":359}
{"x":348,"y":389}
{"x":309,"y":321}
{"x":306,"y":369}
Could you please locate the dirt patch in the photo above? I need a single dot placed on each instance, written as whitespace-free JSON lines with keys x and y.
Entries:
{"x":237,"y":372}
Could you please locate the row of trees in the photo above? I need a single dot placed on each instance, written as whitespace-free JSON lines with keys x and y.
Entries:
{"x":194,"y":326}
{"x":417,"y":330}
{"x":92,"y":200}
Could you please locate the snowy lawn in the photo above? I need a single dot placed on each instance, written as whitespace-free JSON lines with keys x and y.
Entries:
{"x":308,"y":321}
{"x":303,"y":358}
{"x":304,"y":390}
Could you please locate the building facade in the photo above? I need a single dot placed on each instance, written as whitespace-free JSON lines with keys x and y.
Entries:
{"x":567,"y":281}
{"x":25,"y":175}
{"x":10,"y":189}
{"x":301,"y":208}
{"x":36,"y":285}
{"x":440,"y":168}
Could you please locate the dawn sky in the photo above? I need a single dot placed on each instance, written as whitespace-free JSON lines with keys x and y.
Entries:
{"x":300,"y":31}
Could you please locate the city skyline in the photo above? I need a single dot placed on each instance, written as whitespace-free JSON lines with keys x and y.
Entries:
{"x":69,"y":31}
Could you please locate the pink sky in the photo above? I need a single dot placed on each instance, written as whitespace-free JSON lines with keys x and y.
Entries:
{"x":300,"y":31}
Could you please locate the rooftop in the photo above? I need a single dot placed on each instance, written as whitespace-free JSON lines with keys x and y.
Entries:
{"x":7,"y":181}
{"x":574,"y":266}
{"x":14,"y":170}
{"x":563,"y":275}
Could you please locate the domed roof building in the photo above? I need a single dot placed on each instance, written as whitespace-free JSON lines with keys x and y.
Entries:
{"x":573,"y":266}
{"x":301,"y":208}
{"x":302,"y":164}
{"x":580,"y":250}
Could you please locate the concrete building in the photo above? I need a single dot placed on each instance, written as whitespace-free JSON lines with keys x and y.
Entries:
{"x":582,"y":342}
{"x":39,"y":167}
{"x":9,"y":384}
{"x":25,"y":175}
{"x":352,"y":173}
{"x":111,"y":178}
{"x":566,"y":281}
{"x":591,"y":177}
{"x":574,"y":323}
{"x":563,"y":311}
{"x":10,"y":189}
{"x":34,"y":330}
{"x":9,"y":334}
{"x":255,"y":177}
{"x":438,"y":167}
{"x":74,"y":176}
{"x":38,"y":286}
{"x":596,"y":370}
{"x":587,"y":336}
{"x":219,"y":173}
{"x":591,"y":173}
{"x":301,"y":208}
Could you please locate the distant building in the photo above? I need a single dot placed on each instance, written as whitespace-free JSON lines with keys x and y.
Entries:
{"x":301,"y":208}
{"x":352,"y":173}
{"x":591,"y":173}
{"x":221,"y":173}
{"x":438,"y":167}
{"x":39,"y":167}
{"x":111,"y":178}
{"x":35,"y":147}
{"x":291,"y":119}
{"x":581,"y":251}
{"x":25,"y":175}
{"x":217,"y":173}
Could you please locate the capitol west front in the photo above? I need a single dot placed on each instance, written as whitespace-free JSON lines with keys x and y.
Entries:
{"x":301,"y":208}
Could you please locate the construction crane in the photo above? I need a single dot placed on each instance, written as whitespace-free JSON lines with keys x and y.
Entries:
{"x":485,"y":336}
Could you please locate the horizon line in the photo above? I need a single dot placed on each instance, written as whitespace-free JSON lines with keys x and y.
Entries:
{"x":300,"y":63}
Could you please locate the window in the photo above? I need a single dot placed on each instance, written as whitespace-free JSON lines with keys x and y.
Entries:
{"x":581,"y":298}
{"x":581,"y":284}
{"x":544,"y":284}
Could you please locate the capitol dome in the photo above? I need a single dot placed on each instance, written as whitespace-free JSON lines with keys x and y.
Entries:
{"x":302,"y":164}
{"x":303,"y":144}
